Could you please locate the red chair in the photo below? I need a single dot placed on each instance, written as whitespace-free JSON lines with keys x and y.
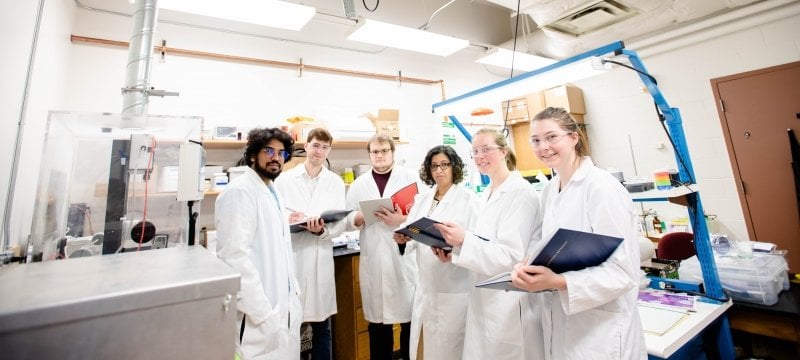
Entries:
{"x":676,"y":246}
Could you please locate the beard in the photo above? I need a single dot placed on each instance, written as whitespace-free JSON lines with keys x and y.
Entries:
{"x":266,"y":173}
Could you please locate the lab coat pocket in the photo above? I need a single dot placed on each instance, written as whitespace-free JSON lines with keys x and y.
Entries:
{"x":264,"y":338}
{"x":595,"y":331}
{"x":451,"y":310}
{"x":503,"y":317}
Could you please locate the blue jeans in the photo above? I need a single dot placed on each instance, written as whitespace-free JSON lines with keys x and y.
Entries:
{"x":321,"y":340}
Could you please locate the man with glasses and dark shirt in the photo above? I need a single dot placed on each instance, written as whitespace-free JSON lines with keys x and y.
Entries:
{"x":254,"y":238}
{"x":387,"y":279}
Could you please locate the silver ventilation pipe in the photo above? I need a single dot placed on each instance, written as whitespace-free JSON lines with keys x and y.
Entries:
{"x":140,"y":55}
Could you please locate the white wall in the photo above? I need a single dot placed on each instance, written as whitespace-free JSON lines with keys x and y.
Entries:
{"x":45,"y":93}
{"x":233,"y":93}
{"x":617,"y":108}
{"x":85,"y":77}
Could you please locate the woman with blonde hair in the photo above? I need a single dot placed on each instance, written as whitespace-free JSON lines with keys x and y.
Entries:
{"x":592,"y":311}
{"x":500,"y":324}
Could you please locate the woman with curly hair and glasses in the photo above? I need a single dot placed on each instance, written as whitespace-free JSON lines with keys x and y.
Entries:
{"x":440,"y":302}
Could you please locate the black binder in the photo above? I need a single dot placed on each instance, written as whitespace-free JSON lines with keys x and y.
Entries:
{"x":328,"y":216}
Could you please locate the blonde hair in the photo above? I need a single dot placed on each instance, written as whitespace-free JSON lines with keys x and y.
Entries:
{"x":500,"y":140}
{"x":567,"y":123}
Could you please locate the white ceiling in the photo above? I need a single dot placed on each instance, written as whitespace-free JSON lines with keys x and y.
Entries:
{"x":482,"y":22}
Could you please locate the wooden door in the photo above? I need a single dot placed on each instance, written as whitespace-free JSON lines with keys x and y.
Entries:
{"x":756,"y":108}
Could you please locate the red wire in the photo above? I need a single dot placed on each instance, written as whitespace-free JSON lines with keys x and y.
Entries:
{"x":148,"y":173}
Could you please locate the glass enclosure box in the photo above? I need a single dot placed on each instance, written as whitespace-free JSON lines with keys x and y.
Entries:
{"x":109,"y":183}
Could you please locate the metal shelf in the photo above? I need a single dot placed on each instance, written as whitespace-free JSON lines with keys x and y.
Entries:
{"x":675,"y":195}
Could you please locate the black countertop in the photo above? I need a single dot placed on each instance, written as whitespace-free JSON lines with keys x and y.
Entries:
{"x":343,"y":251}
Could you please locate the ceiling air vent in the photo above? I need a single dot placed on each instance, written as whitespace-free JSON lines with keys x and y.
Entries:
{"x":591,"y":17}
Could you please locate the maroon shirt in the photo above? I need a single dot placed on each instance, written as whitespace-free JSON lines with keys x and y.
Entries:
{"x":381,"y":180}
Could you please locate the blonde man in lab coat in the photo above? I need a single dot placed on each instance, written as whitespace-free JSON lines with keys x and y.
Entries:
{"x":442,"y":296}
{"x":500,"y":324}
{"x":387,"y":279}
{"x":254,"y":239}
{"x":593,"y":311}
{"x":310,"y":189}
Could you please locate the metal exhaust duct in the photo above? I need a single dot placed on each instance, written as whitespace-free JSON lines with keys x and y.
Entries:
{"x":140,"y":56}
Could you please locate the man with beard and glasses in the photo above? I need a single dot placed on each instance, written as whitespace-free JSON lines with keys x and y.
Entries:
{"x":254,"y":238}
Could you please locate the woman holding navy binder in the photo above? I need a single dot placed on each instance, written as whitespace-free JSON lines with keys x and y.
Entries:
{"x":440,"y":302}
{"x":500,"y":325}
{"x":592,"y":312}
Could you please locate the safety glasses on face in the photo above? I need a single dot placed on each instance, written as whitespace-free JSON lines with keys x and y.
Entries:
{"x":443,"y":166}
{"x":319,"y":146}
{"x":272,"y":152}
{"x":377,"y":152}
{"x":548,"y":139}
{"x":484,"y":150}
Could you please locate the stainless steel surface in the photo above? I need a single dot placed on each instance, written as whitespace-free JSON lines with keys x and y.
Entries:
{"x":165,"y":304}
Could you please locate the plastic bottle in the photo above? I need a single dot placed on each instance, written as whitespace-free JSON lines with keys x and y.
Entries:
{"x":348,"y":176}
{"x":220,"y":181}
{"x":657,"y":224}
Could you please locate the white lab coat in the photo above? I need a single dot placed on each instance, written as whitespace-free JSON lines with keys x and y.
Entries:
{"x":440,"y":302}
{"x":596,"y":315}
{"x":313,"y":254}
{"x":502,"y":324}
{"x":387,"y":279}
{"x":253,"y":238}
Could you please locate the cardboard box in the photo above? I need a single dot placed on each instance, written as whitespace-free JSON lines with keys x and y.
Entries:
{"x":299,"y":131}
{"x":535,"y":102}
{"x":387,"y":122}
{"x":390,"y":128}
{"x":567,"y":96}
{"x":515,"y":109}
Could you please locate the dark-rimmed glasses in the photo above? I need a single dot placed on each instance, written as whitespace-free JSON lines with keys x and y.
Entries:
{"x":272,"y":152}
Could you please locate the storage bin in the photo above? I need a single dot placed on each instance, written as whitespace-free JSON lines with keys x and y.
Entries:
{"x":758,"y":279}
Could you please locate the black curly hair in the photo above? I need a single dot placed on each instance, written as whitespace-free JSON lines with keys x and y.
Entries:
{"x":455,"y":162}
{"x":257,"y":140}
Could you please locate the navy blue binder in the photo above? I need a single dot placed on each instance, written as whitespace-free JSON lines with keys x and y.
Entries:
{"x":567,"y":250}
{"x":570,"y":250}
{"x":423,"y":231}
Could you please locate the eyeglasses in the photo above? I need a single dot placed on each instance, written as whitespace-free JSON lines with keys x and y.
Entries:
{"x":272,"y":152}
{"x":380,"y":152}
{"x":318,"y":146}
{"x":484,"y":150}
{"x":443,"y":166}
{"x":549,"y":139}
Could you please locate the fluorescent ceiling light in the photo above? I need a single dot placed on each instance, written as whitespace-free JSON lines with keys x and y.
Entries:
{"x":522,"y":61}
{"x":272,"y":13}
{"x":565,"y":71}
{"x":401,"y":37}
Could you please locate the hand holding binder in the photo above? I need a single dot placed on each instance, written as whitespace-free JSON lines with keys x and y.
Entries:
{"x":424,"y":231}
{"x":402,"y":199}
{"x":328,"y":216}
{"x":567,"y":250}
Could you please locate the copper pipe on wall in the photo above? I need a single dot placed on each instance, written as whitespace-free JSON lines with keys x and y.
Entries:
{"x":304,"y":66}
